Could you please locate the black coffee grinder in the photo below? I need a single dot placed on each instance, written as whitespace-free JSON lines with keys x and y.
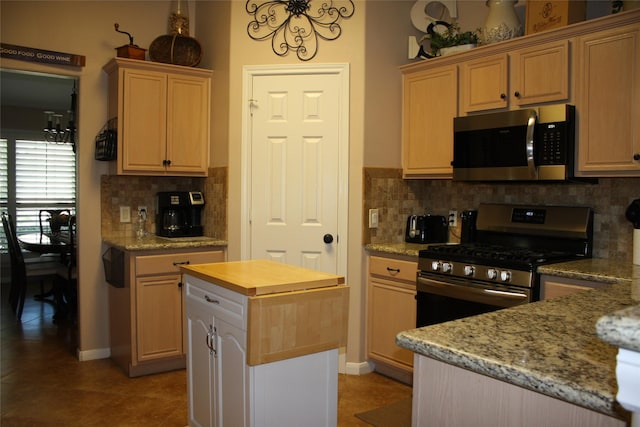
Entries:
{"x":178,"y":213}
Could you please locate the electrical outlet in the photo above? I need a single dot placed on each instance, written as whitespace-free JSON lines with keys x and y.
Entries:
{"x":453,"y":218}
{"x":125,"y":214}
{"x":373,"y":218}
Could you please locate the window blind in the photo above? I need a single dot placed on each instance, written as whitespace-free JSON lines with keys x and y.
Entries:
{"x":4,"y":185}
{"x":45,"y":178}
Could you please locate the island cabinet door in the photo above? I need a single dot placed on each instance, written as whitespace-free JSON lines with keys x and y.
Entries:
{"x":217,"y":372}
{"x":200,"y":363}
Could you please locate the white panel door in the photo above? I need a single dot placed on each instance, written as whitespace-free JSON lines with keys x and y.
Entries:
{"x":295,"y":169}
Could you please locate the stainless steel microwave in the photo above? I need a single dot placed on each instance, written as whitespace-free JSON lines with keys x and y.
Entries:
{"x":533,"y":144}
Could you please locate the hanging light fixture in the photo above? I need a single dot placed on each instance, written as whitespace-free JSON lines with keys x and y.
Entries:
{"x":53,"y":131}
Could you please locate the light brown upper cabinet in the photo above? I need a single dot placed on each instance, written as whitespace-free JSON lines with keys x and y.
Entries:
{"x":608,"y":102}
{"x":428,"y":107}
{"x":594,"y":65}
{"x":163,"y":114}
{"x":522,"y":77}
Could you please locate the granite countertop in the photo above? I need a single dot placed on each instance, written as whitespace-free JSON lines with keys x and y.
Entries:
{"x":549,"y":346}
{"x":407,"y":249}
{"x":151,"y":242}
{"x":593,"y":269}
{"x":620,"y":328}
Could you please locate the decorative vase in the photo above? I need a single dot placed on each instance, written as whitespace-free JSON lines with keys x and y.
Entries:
{"x":502,"y":22}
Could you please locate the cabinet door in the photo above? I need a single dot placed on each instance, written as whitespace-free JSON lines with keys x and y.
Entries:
{"x":201,"y":373}
{"x":540,"y":74}
{"x":218,"y":378}
{"x":429,"y":106}
{"x":232,"y":373}
{"x":484,"y":83}
{"x":553,"y":287}
{"x":188,"y":106}
{"x":143,"y":105}
{"x":158,"y":317}
{"x":608,"y":92}
{"x":391,"y":309}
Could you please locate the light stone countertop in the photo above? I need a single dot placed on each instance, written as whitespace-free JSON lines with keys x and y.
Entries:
{"x":622,"y":328}
{"x":550,"y":347}
{"x":405,"y":249}
{"x":152,"y":242}
{"x":564,"y":347}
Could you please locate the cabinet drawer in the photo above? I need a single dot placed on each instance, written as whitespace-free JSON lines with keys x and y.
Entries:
{"x":170,"y":263}
{"x":223,"y":304}
{"x":393,"y":268}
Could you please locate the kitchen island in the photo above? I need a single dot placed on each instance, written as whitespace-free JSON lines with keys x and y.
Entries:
{"x":263,"y":341}
{"x":536,"y":364}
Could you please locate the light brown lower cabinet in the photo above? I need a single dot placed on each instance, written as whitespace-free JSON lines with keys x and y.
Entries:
{"x":146,"y":316}
{"x":553,"y":286}
{"x":391,"y":308}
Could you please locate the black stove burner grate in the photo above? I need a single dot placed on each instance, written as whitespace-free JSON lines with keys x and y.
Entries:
{"x":494,"y":254}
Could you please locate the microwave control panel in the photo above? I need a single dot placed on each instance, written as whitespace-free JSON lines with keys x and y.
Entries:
{"x":551,"y":143}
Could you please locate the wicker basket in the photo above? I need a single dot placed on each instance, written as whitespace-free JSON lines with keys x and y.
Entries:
{"x":176,"y":49}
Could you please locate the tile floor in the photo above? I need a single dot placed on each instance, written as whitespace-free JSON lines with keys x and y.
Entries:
{"x":43,"y":384}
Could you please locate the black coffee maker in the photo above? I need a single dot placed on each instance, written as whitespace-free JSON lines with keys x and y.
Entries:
{"x":178,"y":213}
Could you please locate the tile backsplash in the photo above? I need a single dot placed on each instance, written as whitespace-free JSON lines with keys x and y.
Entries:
{"x":134,"y":191}
{"x":396,"y":198}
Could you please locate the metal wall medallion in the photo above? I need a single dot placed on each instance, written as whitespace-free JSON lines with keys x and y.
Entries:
{"x":297,"y":25}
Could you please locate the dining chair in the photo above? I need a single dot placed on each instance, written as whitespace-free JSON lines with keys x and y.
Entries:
{"x":54,"y":218}
{"x":21,"y":271}
{"x":68,"y":274}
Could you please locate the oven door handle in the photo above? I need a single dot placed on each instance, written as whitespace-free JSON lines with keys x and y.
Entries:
{"x":507,"y":294}
{"x":498,"y":297}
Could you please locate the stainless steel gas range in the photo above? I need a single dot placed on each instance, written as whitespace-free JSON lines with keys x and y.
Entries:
{"x":498,"y":269}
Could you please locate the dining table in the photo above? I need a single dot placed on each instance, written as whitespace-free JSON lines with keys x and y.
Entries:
{"x":46,"y":243}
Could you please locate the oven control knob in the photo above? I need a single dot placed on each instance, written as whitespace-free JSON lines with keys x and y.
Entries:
{"x":505,"y":276}
{"x":435,"y":266}
{"x":492,"y":273}
{"x":469,"y":270}
{"x":446,"y":267}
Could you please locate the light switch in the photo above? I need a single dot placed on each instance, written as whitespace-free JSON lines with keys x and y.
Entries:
{"x":373,"y":218}
{"x":125,"y":214}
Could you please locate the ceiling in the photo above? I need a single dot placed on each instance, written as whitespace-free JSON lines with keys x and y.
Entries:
{"x":34,"y":90}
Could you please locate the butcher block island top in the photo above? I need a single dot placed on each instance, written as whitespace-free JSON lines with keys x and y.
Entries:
{"x":288,"y":311}
{"x":262,"y":277}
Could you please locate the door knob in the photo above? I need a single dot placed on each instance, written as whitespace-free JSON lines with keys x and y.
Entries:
{"x":328,"y":238}
{"x":636,"y":156}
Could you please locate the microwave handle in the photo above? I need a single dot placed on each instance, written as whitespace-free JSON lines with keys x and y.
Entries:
{"x":531,"y":124}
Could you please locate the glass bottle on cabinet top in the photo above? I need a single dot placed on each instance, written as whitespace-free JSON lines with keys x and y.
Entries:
{"x":179,"y":18}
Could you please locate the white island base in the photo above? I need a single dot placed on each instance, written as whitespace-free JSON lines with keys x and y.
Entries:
{"x":302,"y":391}
{"x":263,"y":343}
{"x":446,"y":395}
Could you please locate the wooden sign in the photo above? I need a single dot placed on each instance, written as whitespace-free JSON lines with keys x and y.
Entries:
{"x":39,"y":55}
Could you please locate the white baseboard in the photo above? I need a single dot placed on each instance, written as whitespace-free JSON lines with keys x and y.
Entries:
{"x":100,"y":353}
{"x":359,"y":368}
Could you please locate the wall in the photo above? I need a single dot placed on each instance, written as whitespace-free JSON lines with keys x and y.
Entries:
{"x":396,"y":198}
{"x":84,"y":28}
{"x":226,"y":40}
{"x":374,"y":43}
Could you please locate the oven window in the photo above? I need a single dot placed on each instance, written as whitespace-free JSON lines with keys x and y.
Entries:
{"x":433,"y":309}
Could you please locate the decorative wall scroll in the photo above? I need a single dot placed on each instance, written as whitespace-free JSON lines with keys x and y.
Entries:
{"x":297,"y":25}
